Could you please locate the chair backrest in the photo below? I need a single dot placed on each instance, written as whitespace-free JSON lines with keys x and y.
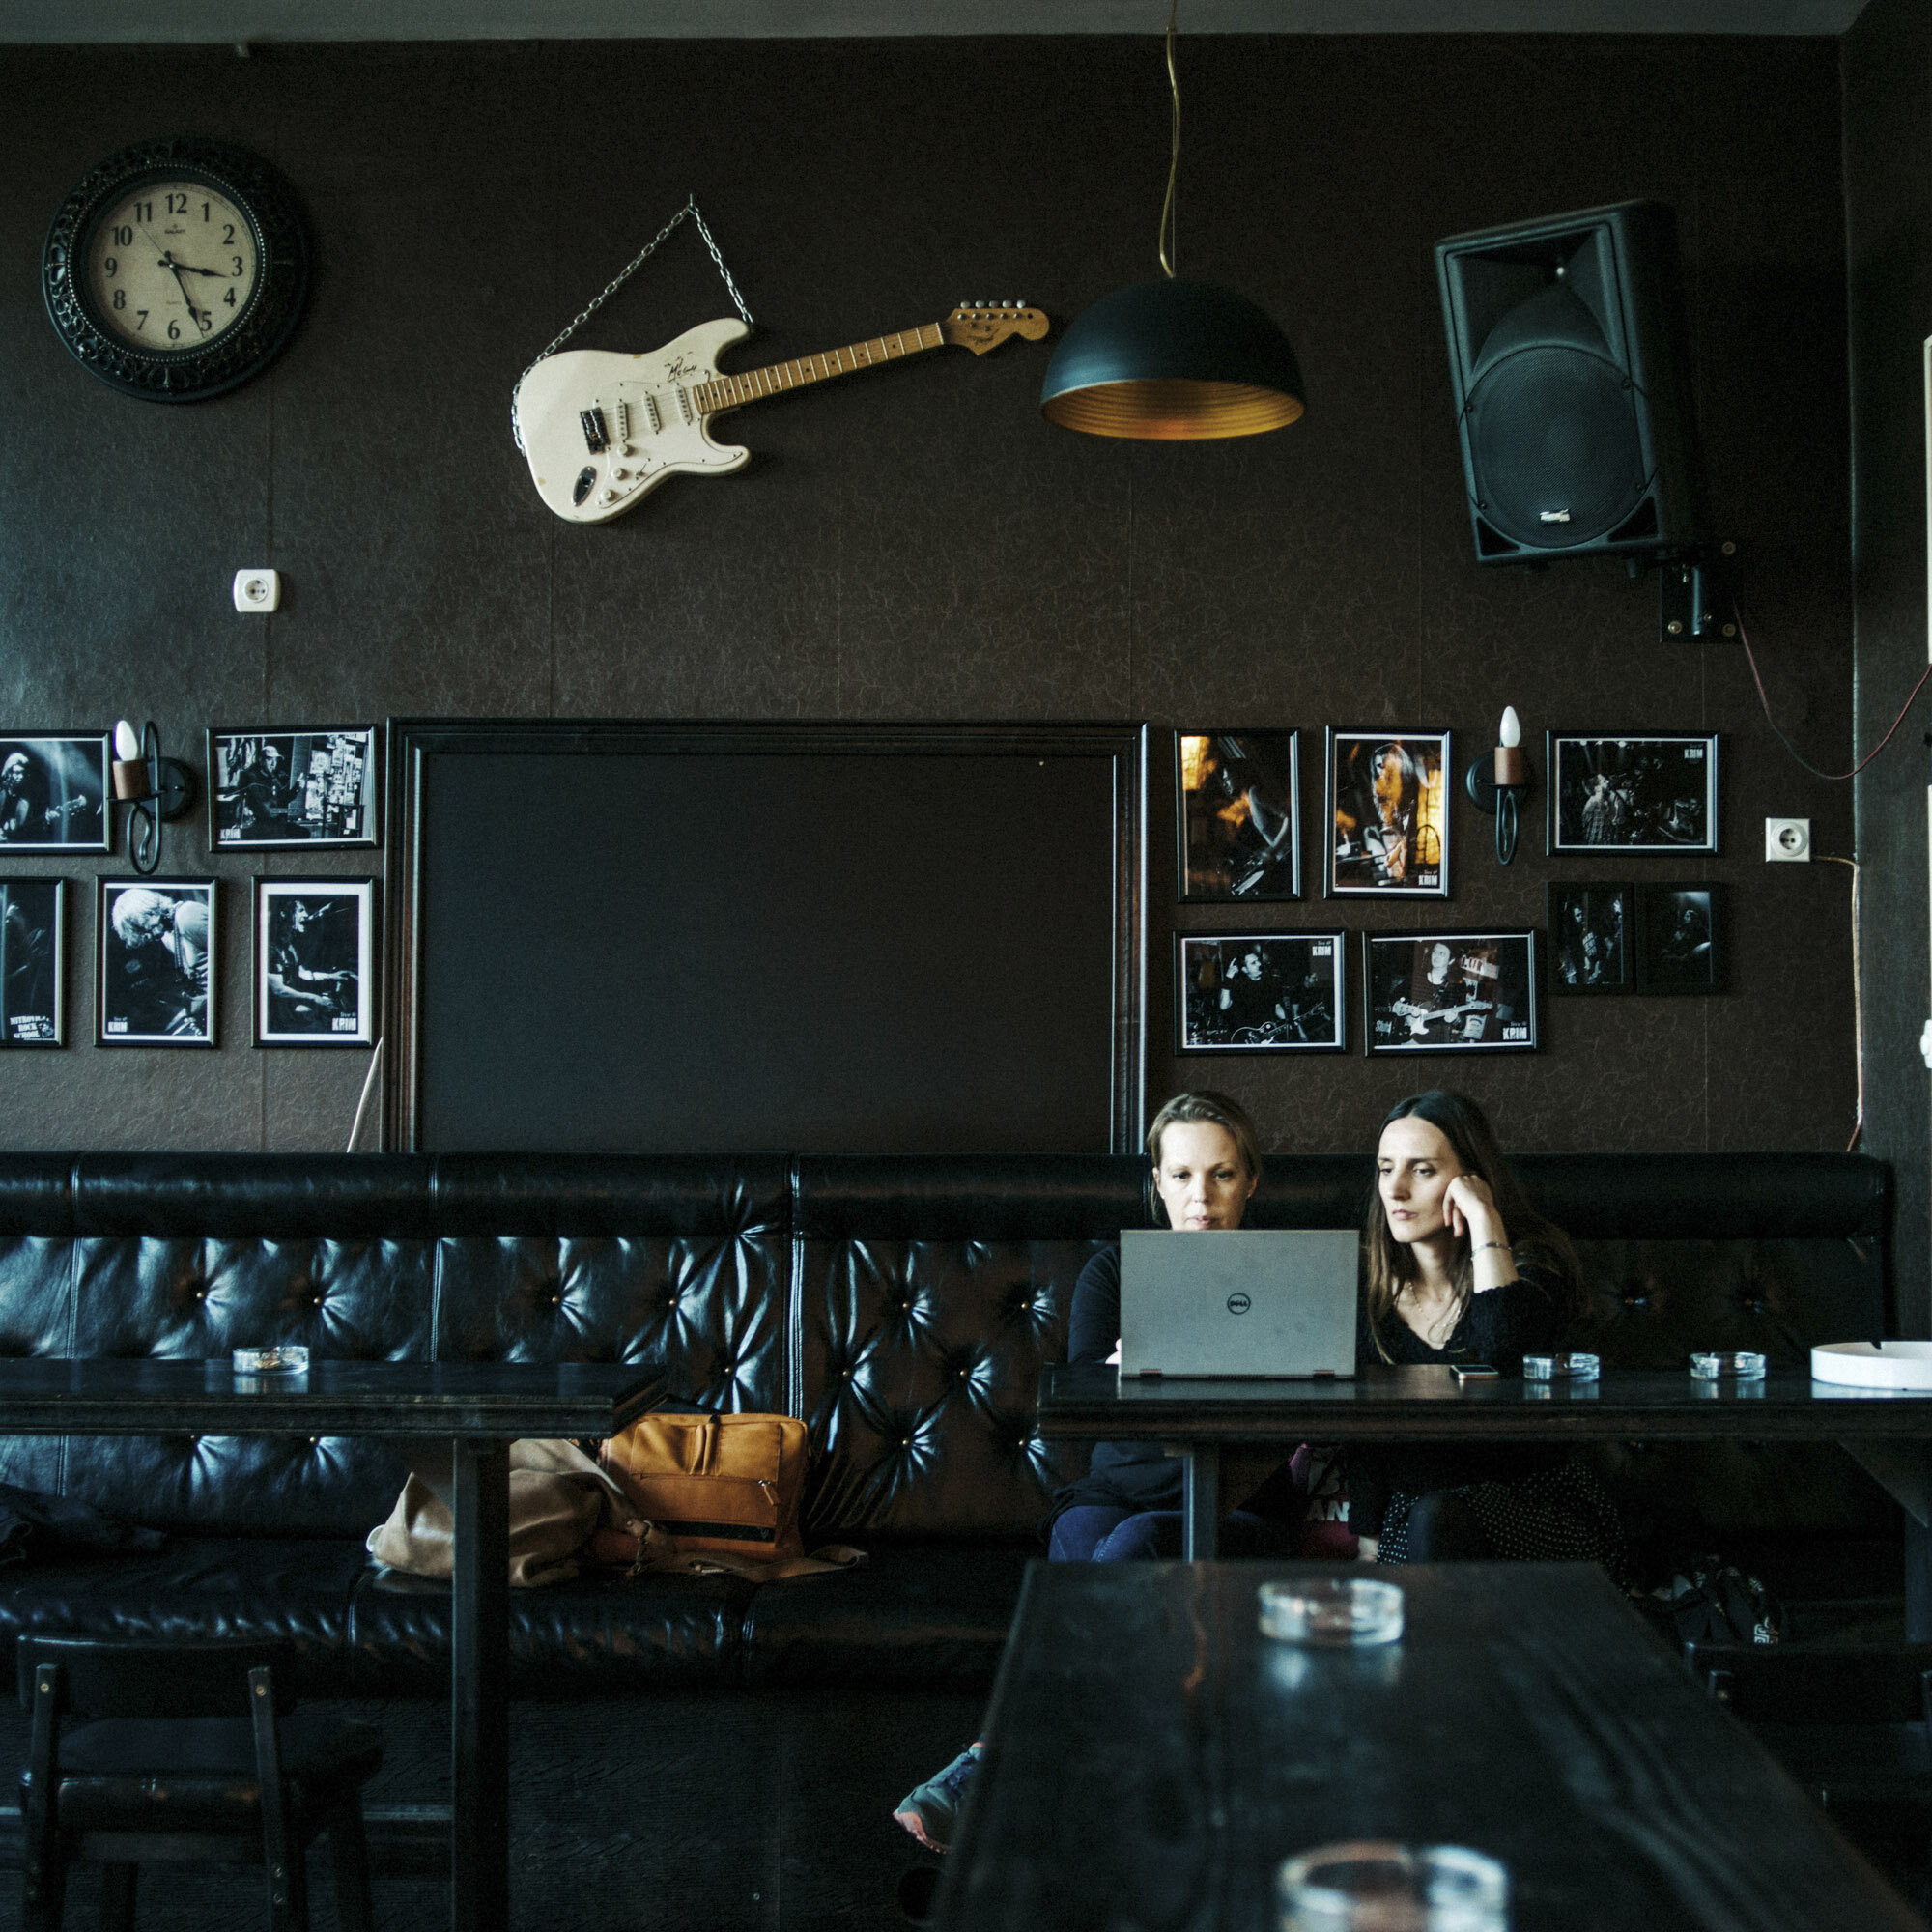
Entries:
{"x":1768,"y":1684}
{"x":106,"y":1678}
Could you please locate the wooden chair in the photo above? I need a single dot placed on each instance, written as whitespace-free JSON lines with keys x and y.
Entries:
{"x":1851,"y":1723}
{"x":189,"y":1753}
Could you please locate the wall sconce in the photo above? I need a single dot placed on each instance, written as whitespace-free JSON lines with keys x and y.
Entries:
{"x":154,"y":788}
{"x":1497,"y":783}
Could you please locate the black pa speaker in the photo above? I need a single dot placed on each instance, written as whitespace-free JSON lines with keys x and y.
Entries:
{"x":1566,"y":346}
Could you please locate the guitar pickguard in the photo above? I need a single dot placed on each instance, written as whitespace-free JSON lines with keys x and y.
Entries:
{"x":602,"y":432}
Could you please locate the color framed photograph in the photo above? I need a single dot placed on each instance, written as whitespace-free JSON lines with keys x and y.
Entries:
{"x":293,"y":788}
{"x":1388,"y":814}
{"x":315,"y":962}
{"x":1260,"y":992}
{"x":158,"y":974}
{"x":53,"y":792}
{"x":1633,"y":792}
{"x":1592,"y":934}
{"x":32,"y":962}
{"x":1239,"y":795}
{"x":1451,"y":992}
{"x":1680,"y":937}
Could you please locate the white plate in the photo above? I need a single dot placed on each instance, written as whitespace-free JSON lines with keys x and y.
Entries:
{"x":1887,"y":1365}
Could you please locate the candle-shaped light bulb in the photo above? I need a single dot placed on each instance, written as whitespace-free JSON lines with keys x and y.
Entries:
{"x":1511,"y":729}
{"x":127,"y":742}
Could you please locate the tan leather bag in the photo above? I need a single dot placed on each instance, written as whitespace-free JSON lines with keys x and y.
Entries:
{"x":716,"y":1492}
{"x":718,"y":1485}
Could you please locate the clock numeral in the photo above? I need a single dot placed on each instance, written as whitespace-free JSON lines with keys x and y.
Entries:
{"x":237,"y":260}
{"x":120,"y":297}
{"x":177,"y":204}
{"x":124,"y":238}
{"x":111,"y":265}
{"x":203,"y":320}
{"x":141,"y":315}
{"x":228,"y":234}
{"x":174,"y":331}
{"x":231,"y":297}
{"x":144,"y":210}
{"x":204,"y":211}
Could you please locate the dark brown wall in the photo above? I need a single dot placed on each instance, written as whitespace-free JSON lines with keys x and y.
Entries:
{"x":919,"y":544}
{"x":1887,"y":67}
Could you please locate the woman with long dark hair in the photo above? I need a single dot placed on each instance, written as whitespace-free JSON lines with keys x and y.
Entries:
{"x":1458,"y":1268}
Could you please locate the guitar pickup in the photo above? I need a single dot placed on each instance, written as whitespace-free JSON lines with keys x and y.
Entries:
{"x":596,"y":436}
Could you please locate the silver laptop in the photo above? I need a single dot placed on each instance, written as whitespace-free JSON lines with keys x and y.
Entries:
{"x":1238,"y":1301}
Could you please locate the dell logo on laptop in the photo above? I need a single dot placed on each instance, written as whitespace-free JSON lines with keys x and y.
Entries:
{"x":1239,"y":1303}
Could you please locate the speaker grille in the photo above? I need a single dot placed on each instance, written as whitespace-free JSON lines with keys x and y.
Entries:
{"x":1555,"y":445}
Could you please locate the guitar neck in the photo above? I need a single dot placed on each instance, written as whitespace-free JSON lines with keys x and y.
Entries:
{"x":777,"y":378}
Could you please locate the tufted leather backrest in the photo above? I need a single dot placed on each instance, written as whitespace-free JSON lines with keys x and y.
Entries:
{"x":902,"y":1305}
{"x":680,"y":1262}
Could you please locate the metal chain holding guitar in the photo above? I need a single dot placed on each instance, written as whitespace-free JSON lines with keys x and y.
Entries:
{"x":603,"y":431}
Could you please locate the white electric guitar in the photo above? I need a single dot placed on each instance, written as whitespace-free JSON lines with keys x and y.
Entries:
{"x":603,"y":431}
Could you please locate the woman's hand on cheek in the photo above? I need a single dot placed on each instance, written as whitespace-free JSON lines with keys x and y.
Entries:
{"x":1472,"y":1209}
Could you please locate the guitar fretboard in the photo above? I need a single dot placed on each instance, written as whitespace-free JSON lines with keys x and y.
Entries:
{"x":750,"y":386}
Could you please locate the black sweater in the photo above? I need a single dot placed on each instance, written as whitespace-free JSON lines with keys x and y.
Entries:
{"x":1522,"y":1317}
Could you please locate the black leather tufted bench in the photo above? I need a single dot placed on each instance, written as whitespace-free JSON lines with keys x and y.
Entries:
{"x":904,"y":1306}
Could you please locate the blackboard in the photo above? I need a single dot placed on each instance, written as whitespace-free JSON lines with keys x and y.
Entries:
{"x":695,"y":937}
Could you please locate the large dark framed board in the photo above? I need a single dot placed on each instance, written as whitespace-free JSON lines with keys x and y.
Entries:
{"x":820,"y":937}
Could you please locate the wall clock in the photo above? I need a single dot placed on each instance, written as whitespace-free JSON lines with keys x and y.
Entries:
{"x":177,"y":270}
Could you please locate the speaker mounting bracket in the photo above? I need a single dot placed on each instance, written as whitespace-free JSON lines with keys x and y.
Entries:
{"x":1691,"y":598}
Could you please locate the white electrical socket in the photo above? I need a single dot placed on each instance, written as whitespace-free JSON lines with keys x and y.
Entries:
{"x":257,"y":590}
{"x":1787,"y":840}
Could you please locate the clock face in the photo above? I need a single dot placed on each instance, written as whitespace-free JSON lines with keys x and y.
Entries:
{"x":171,"y":264}
{"x":177,"y":270}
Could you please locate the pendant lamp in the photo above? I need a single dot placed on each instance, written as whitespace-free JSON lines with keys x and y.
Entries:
{"x":1172,"y":360}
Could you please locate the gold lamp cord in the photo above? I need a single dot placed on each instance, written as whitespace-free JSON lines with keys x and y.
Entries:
{"x":1170,"y":220}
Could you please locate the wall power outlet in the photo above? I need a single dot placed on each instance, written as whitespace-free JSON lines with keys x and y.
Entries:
{"x":1787,"y":840}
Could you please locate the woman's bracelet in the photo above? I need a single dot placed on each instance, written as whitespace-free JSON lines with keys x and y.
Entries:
{"x":1480,"y":1245}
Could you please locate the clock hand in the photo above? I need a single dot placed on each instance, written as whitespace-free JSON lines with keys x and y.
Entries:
{"x":195,"y":314}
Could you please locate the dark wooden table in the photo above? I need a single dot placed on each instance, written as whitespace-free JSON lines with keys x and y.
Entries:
{"x":478,"y":1409}
{"x":1888,"y":1432}
{"x":1151,"y":1758}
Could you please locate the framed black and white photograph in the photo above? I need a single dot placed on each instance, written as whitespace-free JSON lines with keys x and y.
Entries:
{"x":1451,"y":992}
{"x":32,"y":962}
{"x":1632,"y":792}
{"x":1388,"y":814}
{"x":53,"y":792}
{"x":1240,"y":814}
{"x":1679,"y":938}
{"x":315,"y":962}
{"x":1260,"y":992}
{"x":282,"y":789}
{"x":1591,"y":937}
{"x":158,"y":977}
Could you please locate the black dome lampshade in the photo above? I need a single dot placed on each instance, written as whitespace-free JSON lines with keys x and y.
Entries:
{"x":1172,"y":360}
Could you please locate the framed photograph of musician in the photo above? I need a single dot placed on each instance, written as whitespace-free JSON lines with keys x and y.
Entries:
{"x":1591,"y":937}
{"x":1632,"y":792}
{"x":1451,"y":992}
{"x":1239,"y":795}
{"x":1680,"y":938}
{"x":1388,"y":814}
{"x":32,"y":962}
{"x":282,"y":788}
{"x":315,"y":962}
{"x":1260,"y":992}
{"x":157,"y":963}
{"x":53,"y":792}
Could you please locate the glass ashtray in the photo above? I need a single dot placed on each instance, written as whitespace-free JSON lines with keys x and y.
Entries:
{"x":1746,"y":1364}
{"x":1332,"y":1610}
{"x":1575,"y":1367}
{"x":280,"y":1358}
{"x":1375,"y":1887}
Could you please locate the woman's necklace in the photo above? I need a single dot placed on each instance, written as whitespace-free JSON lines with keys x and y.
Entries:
{"x":1436,"y":1320}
